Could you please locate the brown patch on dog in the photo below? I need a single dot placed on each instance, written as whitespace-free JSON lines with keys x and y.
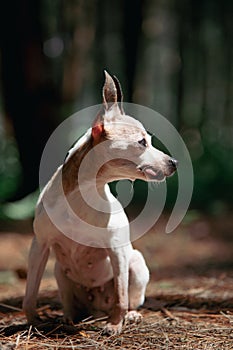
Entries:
{"x":71,"y":166}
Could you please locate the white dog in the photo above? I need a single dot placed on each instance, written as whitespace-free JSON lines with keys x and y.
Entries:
{"x":92,"y":280}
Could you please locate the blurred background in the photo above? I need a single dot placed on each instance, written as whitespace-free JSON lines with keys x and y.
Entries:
{"x":172,"y":56}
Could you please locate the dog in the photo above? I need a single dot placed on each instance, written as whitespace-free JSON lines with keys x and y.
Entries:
{"x":108,"y":277}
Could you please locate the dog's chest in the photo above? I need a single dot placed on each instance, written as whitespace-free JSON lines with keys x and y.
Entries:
{"x":88,"y":266}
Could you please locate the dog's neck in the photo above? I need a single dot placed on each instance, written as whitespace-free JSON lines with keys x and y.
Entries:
{"x":79,"y":170}
{"x":84,"y":185}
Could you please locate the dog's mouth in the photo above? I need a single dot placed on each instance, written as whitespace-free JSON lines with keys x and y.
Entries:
{"x":151,"y":173}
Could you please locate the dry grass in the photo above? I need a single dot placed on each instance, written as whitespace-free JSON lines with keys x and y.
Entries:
{"x":189,"y":299}
{"x":174,"y":327}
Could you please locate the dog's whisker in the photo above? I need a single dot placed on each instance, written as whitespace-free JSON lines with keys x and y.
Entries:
{"x":132,"y":187}
{"x":153,"y":185}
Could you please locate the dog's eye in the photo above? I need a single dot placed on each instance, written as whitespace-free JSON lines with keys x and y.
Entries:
{"x":143,"y":142}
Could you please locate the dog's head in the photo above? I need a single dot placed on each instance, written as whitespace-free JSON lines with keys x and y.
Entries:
{"x":132,"y":154}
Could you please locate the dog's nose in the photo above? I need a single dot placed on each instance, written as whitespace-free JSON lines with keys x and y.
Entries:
{"x":173,"y":163}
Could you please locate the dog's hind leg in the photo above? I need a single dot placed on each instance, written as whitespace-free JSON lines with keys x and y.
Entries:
{"x":138,"y":279}
{"x":72,"y":297}
{"x":38,"y":257}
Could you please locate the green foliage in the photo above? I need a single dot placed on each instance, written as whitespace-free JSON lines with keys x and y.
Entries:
{"x":10,"y":170}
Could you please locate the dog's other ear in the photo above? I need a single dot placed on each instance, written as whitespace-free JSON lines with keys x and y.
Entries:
{"x":119,"y":93}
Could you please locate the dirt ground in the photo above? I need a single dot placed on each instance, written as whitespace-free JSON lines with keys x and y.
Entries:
{"x":189,"y":300}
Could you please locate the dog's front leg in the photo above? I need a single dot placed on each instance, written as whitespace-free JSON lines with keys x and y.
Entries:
{"x":120,"y":266}
{"x":38,"y":257}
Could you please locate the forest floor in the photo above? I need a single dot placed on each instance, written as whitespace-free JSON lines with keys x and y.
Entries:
{"x":189,"y":300}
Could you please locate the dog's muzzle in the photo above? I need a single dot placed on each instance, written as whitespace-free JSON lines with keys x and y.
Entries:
{"x":153,"y":174}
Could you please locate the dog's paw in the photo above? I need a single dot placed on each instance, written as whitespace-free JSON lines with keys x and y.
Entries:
{"x":133,"y":317}
{"x":112,"y":329}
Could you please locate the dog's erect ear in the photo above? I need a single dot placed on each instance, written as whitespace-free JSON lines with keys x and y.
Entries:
{"x":112,"y":92}
{"x":109,"y":91}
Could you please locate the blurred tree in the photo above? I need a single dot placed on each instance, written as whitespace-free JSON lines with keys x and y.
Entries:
{"x":31,"y":100}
